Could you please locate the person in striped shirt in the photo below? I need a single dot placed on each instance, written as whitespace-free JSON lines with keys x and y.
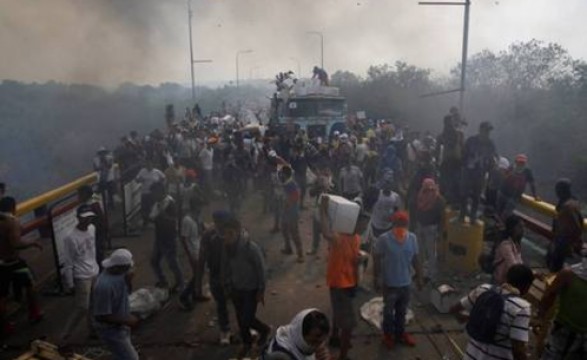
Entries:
{"x":512,"y":333}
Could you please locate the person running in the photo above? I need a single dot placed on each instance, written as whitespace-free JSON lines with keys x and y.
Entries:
{"x":80,"y":269}
{"x":246,"y":277}
{"x":394,"y":256}
{"x":290,"y":216}
{"x":302,"y":339}
{"x":13,"y":269}
{"x":510,"y":337}
{"x":568,"y":337}
{"x":111,"y":308}
{"x":342,"y":277}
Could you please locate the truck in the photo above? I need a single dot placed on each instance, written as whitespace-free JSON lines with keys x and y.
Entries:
{"x":305,"y":105}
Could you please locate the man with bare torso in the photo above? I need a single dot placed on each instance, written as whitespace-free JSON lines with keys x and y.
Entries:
{"x":14,"y":270}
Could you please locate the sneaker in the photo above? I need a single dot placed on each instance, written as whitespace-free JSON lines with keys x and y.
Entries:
{"x":286,"y":251}
{"x":388,"y":341}
{"x":311,"y":252}
{"x":407,"y":339}
{"x":300,"y":259}
{"x":225,"y":338}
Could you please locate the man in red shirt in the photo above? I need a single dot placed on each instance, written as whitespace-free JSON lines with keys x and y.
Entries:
{"x":342,"y":277}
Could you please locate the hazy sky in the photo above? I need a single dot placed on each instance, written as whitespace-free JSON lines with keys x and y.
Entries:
{"x":146,"y":41}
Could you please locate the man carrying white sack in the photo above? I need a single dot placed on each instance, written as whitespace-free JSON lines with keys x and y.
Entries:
{"x":342,"y":276}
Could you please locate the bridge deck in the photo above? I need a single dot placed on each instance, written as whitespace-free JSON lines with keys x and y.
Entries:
{"x":174,"y":334}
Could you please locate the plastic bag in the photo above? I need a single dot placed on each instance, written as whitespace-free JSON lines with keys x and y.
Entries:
{"x":372,"y":312}
{"x":145,"y":302}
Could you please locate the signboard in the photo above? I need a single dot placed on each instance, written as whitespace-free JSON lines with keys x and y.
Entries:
{"x":132,"y":198}
{"x":62,"y":226}
{"x":361,"y":115}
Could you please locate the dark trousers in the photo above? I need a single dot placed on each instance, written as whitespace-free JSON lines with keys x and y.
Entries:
{"x":472,"y":186}
{"x":450,"y":179}
{"x":245,"y":305}
{"x":395,"y":307}
{"x":219,"y":296}
{"x":193,"y":288}
{"x":301,"y":181}
{"x":291,"y":231}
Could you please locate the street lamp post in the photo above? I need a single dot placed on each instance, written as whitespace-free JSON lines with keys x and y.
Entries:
{"x":318,"y":33}
{"x":467,"y":5}
{"x":238,"y":53}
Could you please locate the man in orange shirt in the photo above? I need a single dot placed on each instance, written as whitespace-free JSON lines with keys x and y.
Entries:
{"x":342,"y":277}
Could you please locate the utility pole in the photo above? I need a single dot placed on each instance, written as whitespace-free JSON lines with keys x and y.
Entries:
{"x":191,"y":51}
{"x":467,"y":6}
{"x":318,"y":33}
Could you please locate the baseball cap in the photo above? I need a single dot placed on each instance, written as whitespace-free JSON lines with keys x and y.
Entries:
{"x":120,"y":257}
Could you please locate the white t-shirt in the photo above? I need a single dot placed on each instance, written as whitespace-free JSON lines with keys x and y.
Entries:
{"x":190,"y":231}
{"x":206,"y":157}
{"x":383,"y":209}
{"x":79,"y":255}
{"x":148,"y":178}
{"x":514,"y":324}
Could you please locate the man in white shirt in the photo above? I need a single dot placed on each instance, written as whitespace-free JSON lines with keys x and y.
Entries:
{"x":80,"y":269}
{"x":147,"y":177}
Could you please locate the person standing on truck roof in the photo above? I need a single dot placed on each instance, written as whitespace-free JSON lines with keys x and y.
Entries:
{"x":449,"y":154}
{"x":14,"y":270}
{"x":80,"y":269}
{"x":111,"y":308}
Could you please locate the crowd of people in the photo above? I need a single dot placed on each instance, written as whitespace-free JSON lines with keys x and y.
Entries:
{"x":404,"y":183}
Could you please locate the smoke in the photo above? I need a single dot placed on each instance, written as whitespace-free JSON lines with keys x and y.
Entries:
{"x":108,"y":42}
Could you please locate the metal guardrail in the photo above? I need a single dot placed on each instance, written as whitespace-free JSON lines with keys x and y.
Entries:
{"x":30,"y":205}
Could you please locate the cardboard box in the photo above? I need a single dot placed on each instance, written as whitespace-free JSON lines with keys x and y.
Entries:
{"x":443,"y":297}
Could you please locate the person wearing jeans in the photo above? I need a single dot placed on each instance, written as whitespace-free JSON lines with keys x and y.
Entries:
{"x":395,"y":253}
{"x":111,"y":307}
{"x":245,"y":277}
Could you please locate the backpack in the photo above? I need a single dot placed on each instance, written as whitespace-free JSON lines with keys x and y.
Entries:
{"x":485,"y":316}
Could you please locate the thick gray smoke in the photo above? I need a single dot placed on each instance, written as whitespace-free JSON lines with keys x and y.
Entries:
{"x":111,"y":41}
